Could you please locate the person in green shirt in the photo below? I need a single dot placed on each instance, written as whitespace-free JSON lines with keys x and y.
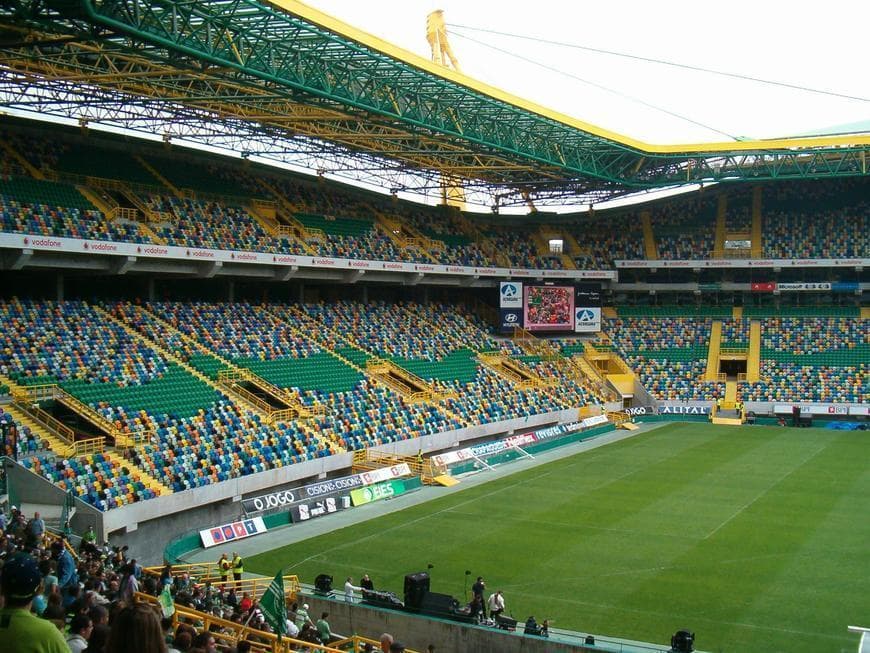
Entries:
{"x":323,"y":630}
{"x":21,"y":631}
{"x":90,"y":536}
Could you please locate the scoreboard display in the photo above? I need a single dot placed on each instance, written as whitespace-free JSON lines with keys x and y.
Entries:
{"x":550,"y":307}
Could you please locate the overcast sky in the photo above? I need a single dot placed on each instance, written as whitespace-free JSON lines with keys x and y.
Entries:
{"x":822,"y":45}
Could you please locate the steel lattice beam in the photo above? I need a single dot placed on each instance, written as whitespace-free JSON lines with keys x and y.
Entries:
{"x":258,"y":70}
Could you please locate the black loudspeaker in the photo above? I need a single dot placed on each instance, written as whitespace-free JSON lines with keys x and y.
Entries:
{"x":683,"y":641}
{"x":416,"y":585}
{"x":382,"y":599}
{"x":505,"y":623}
{"x":323,"y":583}
{"x":438,"y":605}
{"x":590,"y":640}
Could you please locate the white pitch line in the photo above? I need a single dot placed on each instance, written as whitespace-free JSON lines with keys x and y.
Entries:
{"x":764,"y":492}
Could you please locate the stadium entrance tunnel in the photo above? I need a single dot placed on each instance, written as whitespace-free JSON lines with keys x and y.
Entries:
{"x":275,"y":401}
{"x":82,"y":426}
{"x":732,"y":368}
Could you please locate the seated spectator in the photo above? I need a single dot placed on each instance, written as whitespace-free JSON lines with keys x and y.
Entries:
{"x":136,"y":629}
{"x":80,"y":629}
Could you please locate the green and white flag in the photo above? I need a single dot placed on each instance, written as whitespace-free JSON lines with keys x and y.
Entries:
{"x":274,"y":607}
{"x":166,"y":602}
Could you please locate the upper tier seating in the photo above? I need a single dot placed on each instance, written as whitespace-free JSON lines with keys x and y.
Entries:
{"x":608,"y":239}
{"x":213,"y":225}
{"x":93,"y":161}
{"x":519,"y":248}
{"x":800,"y":219}
{"x":817,"y":219}
{"x":738,"y":216}
{"x":685,"y":230}
{"x":352,"y":238}
{"x":47,"y":208}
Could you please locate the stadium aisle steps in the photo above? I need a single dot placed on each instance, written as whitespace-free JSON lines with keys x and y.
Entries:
{"x":713,"y":350}
{"x":156,"y":173}
{"x":32,"y":170}
{"x":147,"y":479}
{"x":390,"y":227}
{"x":175,"y":359}
{"x":56,"y":446}
{"x":649,"y":240}
{"x":313,"y":328}
{"x":753,"y":360}
{"x":757,"y":247}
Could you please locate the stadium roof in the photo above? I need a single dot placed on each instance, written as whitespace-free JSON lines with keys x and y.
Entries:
{"x":283,"y":81}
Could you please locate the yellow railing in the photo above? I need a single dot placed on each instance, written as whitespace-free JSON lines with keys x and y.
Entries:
{"x":126,"y":213}
{"x":725,"y":351}
{"x":91,"y":445}
{"x":267,"y":205}
{"x":229,"y":633}
{"x":209,"y":572}
{"x":61,"y":431}
{"x":75,"y":404}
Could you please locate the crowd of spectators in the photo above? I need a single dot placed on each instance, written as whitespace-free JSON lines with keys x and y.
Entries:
{"x":57,"y":599}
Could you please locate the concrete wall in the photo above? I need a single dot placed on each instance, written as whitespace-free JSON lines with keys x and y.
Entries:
{"x":417,"y":632}
{"x":32,"y":488}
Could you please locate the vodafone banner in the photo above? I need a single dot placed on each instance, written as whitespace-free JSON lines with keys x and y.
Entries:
{"x":172,"y":252}
{"x":749,"y":263}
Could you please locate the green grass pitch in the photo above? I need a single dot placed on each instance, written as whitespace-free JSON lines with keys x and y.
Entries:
{"x":756,"y":538}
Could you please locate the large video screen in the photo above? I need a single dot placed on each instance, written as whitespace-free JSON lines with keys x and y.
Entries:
{"x":548,"y":308}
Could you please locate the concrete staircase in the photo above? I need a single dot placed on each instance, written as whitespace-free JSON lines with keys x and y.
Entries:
{"x":712,"y":373}
{"x":650,"y":249}
{"x":721,"y":226}
{"x":757,"y":234}
{"x":159,"y":177}
{"x":147,"y":479}
{"x":753,"y":357}
{"x":61,"y":447}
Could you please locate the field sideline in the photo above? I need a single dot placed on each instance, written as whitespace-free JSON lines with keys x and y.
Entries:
{"x":756,"y":538}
